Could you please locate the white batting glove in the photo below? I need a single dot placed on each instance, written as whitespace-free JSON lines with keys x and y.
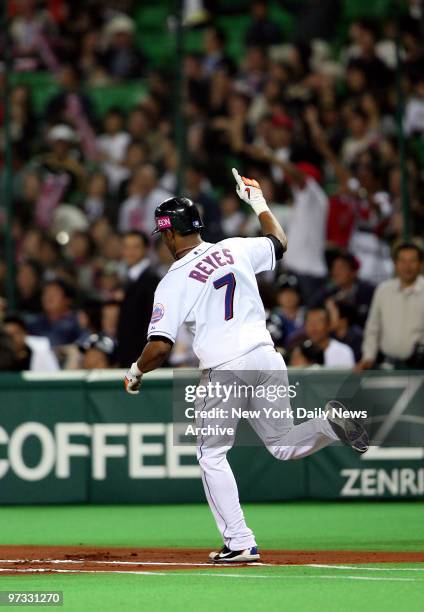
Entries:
{"x":132,"y":380}
{"x":250,"y":192}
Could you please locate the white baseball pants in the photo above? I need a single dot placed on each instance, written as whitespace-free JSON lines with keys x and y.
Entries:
{"x":262,"y":366}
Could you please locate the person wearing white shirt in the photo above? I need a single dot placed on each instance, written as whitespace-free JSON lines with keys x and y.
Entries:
{"x":112,"y":146}
{"x":395,"y":324}
{"x":317,"y":327}
{"x":32,"y":353}
{"x":137,"y":211}
{"x":308,"y":225}
{"x":414,"y":111}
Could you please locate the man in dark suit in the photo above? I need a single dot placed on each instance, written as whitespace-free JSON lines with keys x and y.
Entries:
{"x":136,"y":307}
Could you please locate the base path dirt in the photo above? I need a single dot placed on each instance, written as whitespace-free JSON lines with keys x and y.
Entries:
{"x":76,"y":559}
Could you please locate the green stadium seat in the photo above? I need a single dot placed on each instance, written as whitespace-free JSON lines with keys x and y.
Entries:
{"x":32,"y":79}
{"x":42,"y":85}
{"x":158,"y":48}
{"x":193,"y":40}
{"x":124,"y":96}
{"x":355,"y":9}
{"x":152,"y":17}
{"x":282,"y":18}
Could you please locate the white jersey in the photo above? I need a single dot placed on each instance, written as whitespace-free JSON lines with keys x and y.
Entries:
{"x":213,"y":290}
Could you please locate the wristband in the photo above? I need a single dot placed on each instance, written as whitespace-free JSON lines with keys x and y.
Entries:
{"x":134,"y":370}
{"x":260,"y":206}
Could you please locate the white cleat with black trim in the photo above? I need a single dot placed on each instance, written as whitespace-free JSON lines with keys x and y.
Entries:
{"x":225,"y":555}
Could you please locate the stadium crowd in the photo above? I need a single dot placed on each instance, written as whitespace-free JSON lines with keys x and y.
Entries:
{"x":312,"y":118}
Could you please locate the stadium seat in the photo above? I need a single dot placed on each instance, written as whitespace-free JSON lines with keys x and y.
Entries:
{"x":124,"y":96}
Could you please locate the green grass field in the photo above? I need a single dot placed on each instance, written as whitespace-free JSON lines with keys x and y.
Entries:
{"x":384,"y":526}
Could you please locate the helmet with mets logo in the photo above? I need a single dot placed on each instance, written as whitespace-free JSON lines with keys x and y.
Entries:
{"x":179,"y":214}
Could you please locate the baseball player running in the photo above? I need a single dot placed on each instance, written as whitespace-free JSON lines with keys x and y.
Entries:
{"x":212,"y":288}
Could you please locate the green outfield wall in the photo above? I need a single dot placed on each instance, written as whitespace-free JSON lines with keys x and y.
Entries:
{"x":77,"y":437}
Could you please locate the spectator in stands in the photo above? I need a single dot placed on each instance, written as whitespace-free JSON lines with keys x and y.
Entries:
{"x":263,"y":32}
{"x":33,"y":34}
{"x":112,"y":145}
{"x":31,"y":353}
{"x":97,"y":201}
{"x":28,"y":287}
{"x":121,"y":59}
{"x":363,"y":34}
{"x":289,"y":300}
{"x":25,"y":203}
{"x":70,"y":103}
{"x":110,"y":318}
{"x":345,"y":286}
{"x":214,"y":44}
{"x":306,"y":354}
{"x":137,"y":211}
{"x":80,"y":252}
{"x":136,"y":307}
{"x":233,"y":219}
{"x":89,"y":317}
{"x":343,"y":325}
{"x":136,"y":155}
{"x":199,"y":190}
{"x":99,"y":352}
{"x":374,"y":213}
{"x":360,"y":137}
{"x":63,"y":175}
{"x":22,"y":123}
{"x":89,"y":63}
{"x":306,"y":234}
{"x":394,"y":332}
{"x":365,"y":202}
{"x":7,"y":352}
{"x":58,"y":322}
{"x":414,"y":112}
{"x":254,"y":74}
{"x":318,"y":329}
{"x":198,"y":86}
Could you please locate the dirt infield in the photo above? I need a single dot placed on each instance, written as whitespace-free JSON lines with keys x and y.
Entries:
{"x":77,"y":559}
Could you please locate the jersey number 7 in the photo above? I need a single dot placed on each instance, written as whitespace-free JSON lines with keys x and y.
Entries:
{"x":228,"y":281}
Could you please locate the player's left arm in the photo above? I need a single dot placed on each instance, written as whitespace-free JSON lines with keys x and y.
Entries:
{"x":250,"y":192}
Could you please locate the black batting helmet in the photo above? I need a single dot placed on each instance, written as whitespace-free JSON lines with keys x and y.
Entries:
{"x":179,"y":214}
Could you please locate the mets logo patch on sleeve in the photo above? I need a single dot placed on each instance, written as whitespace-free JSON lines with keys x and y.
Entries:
{"x":157,"y":313}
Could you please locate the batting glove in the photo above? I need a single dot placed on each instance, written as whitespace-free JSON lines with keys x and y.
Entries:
{"x":250,"y":192}
{"x":132,"y":380}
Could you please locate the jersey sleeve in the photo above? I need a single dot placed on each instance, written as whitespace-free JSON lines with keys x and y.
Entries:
{"x":168,"y":313}
{"x":261,"y":253}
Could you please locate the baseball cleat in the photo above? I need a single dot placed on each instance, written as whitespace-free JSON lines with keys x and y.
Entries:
{"x":350,"y":431}
{"x":225,"y":555}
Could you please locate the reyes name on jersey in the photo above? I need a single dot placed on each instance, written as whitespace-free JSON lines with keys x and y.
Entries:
{"x":213,"y":290}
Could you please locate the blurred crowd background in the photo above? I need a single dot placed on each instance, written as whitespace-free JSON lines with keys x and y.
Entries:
{"x":115,"y":106}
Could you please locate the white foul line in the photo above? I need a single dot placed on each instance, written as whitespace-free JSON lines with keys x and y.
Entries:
{"x":368,"y":569}
{"x":200,"y":574}
{"x":115,"y":562}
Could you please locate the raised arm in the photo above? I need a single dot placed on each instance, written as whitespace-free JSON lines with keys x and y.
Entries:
{"x":250,"y":192}
{"x":322,"y":145}
{"x":268,"y":156}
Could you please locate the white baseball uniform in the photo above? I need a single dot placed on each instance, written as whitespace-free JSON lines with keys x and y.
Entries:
{"x":213,"y":290}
